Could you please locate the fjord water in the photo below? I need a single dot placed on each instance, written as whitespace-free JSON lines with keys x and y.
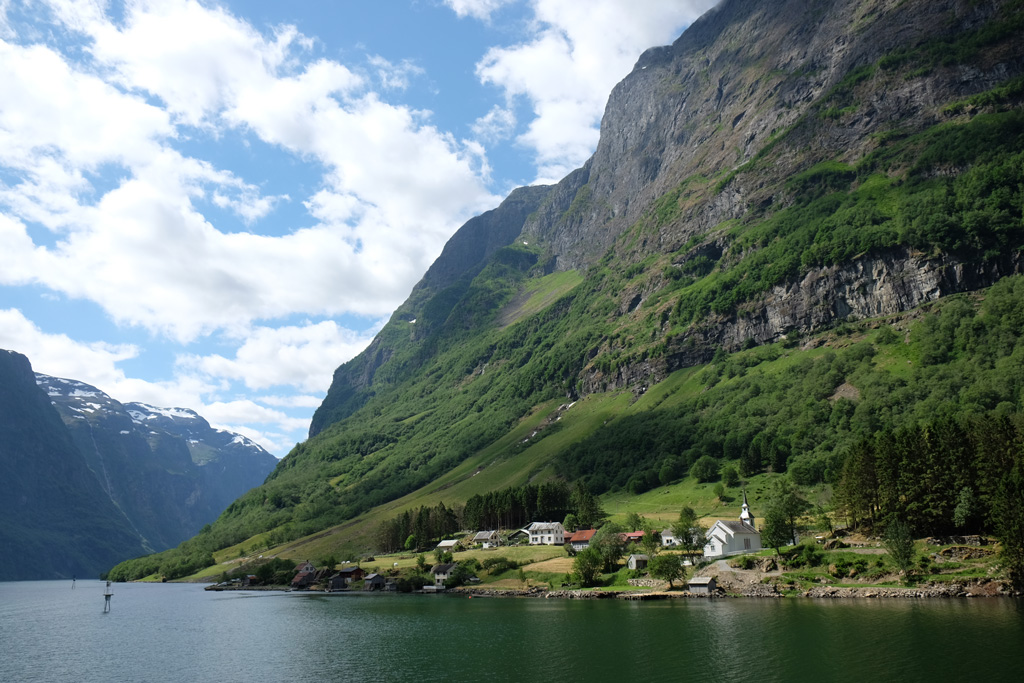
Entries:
{"x":178,"y":632}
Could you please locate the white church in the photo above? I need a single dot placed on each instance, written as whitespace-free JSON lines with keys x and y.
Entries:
{"x":726,"y":538}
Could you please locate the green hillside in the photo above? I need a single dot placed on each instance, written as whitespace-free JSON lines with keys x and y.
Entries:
{"x":622,"y":375}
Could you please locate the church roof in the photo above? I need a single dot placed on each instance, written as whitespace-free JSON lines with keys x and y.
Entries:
{"x":737,"y":527}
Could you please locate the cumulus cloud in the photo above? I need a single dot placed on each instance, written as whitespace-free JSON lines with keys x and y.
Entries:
{"x":393,"y":187}
{"x":59,"y":355}
{"x":299,"y":356}
{"x":200,"y":383}
{"x":569,"y":64}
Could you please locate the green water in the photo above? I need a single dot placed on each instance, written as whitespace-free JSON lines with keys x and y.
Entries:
{"x":181,"y":633}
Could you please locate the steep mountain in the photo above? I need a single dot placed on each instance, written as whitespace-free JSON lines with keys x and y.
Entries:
{"x":166,"y":469}
{"x":56,"y":521}
{"x":762,"y":263}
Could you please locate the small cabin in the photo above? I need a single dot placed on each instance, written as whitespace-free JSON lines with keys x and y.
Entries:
{"x":441,"y":573}
{"x":702,"y":585}
{"x":449,"y":545}
{"x":374,"y":582}
{"x":636,"y":561}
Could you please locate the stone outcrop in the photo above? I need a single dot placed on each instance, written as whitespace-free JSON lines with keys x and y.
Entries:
{"x":874,"y":285}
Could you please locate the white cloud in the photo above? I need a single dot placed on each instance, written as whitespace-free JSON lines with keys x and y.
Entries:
{"x":393,"y":187}
{"x":59,"y":355}
{"x":496,"y":125}
{"x":577,"y":53}
{"x":479,"y":9}
{"x":249,"y":412}
{"x":302,"y":357}
{"x":394,"y":76}
{"x":297,"y":401}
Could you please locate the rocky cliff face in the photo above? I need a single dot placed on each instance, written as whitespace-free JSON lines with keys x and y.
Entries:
{"x":56,"y":521}
{"x":702,"y":137}
{"x":740,"y":76}
{"x":874,"y":286}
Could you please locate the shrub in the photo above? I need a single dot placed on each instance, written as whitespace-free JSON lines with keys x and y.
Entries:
{"x":705,"y":469}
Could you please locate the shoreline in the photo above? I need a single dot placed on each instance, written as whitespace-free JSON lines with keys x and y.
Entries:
{"x":987,"y":589}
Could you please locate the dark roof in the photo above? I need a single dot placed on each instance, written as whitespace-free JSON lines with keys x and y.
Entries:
{"x":484,"y":535}
{"x":738,"y":527}
{"x":373,"y":578}
{"x":442,"y":568}
{"x":350,"y":570}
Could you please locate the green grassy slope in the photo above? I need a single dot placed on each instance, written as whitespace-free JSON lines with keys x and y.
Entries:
{"x":463,"y":395}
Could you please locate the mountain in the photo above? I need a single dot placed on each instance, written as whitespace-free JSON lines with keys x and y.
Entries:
{"x":166,"y":469}
{"x":90,"y":482}
{"x":56,"y":521}
{"x":764,"y":263}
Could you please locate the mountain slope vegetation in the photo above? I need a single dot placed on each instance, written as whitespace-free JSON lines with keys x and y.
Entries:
{"x":762,"y":264}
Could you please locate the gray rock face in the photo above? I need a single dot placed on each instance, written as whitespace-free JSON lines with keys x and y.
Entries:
{"x":694,"y":121}
{"x":872,"y":286}
{"x":167,"y":469}
{"x":55,"y":519}
{"x":744,"y":72}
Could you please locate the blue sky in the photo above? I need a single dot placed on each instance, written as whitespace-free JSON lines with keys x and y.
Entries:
{"x":212,"y":205}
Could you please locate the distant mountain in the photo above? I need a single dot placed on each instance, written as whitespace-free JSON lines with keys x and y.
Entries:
{"x":166,"y":468}
{"x":56,"y":520}
{"x":88,"y":481}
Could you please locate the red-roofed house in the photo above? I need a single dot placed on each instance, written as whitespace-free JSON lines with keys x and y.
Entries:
{"x":632,"y":536}
{"x":580,"y":540}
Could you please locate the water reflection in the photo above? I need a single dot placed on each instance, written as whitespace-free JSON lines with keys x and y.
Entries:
{"x":179,"y":632}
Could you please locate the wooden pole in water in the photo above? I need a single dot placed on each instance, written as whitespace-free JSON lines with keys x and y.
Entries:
{"x":107,"y":594}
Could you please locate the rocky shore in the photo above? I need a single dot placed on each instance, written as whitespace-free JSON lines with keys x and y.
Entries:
{"x":755,"y":590}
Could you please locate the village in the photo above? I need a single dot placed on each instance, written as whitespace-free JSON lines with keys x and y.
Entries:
{"x":727,"y":558}
{"x":725,"y":538}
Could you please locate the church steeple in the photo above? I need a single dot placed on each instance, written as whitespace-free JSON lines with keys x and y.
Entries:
{"x":745,"y":515}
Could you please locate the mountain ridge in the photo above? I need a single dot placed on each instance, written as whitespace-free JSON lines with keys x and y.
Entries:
{"x":166,"y":468}
{"x":780,"y":170}
{"x":90,"y":482}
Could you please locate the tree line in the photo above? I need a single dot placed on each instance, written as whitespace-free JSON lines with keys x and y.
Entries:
{"x":508,"y":508}
{"x":954,"y":475}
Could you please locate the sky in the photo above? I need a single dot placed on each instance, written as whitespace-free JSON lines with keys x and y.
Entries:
{"x":213,"y":205}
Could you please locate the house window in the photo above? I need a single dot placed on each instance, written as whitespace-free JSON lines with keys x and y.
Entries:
{"x":746,"y":544}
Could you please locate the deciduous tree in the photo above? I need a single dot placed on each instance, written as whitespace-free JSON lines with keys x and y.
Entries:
{"x":666,"y":567}
{"x":586,"y":568}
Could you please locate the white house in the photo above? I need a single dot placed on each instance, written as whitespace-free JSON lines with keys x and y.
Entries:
{"x":489,"y":539}
{"x":726,"y":538}
{"x":668,"y":539}
{"x":546,"y":533}
{"x":441,"y":573}
{"x":448,"y":545}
